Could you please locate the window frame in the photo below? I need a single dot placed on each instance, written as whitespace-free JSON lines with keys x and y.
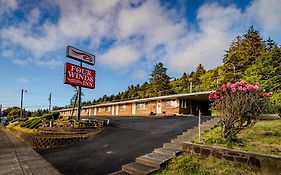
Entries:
{"x":142,"y":106}
{"x":122,"y":108}
{"x":107,"y":108}
{"x":171,"y":103}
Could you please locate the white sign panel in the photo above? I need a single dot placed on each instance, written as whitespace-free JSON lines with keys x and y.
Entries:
{"x":80,"y":55}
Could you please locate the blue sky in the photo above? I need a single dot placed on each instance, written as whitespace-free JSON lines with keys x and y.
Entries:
{"x":128,"y":37}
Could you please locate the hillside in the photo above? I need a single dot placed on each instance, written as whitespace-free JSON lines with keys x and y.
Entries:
{"x":249,"y":57}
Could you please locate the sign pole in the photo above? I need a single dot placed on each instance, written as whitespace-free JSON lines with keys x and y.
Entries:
{"x":199,"y":126}
{"x":79,"y":99}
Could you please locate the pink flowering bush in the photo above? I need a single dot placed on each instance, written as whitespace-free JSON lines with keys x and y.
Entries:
{"x":239,"y":106}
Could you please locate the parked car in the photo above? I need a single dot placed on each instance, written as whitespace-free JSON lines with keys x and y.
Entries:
{"x":4,"y":121}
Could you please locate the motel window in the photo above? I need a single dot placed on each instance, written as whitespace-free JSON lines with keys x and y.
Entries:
{"x":122,"y":108}
{"x":107,"y":109}
{"x":142,"y":106}
{"x":171,"y":103}
{"x":99,"y":109}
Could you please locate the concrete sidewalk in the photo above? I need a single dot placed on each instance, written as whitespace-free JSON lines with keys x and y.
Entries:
{"x":17,"y":158}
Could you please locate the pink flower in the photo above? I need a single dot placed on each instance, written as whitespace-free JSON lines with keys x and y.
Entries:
{"x":233,"y":86}
{"x":240,"y":88}
{"x":256,"y":87}
{"x":233,"y":90}
{"x":216,"y":96}
{"x":228,"y":85}
{"x":250,"y":87}
{"x":221,"y":98}
{"x":242,"y":82}
{"x":211,"y":95}
{"x":269,"y":94}
{"x":245,"y":89}
{"x":223,"y":87}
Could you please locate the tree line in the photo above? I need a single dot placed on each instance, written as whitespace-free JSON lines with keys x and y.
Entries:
{"x":249,"y":57}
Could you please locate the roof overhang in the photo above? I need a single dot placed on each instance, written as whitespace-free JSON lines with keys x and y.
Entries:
{"x":195,"y":96}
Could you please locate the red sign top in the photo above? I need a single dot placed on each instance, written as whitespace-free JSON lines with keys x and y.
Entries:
{"x":79,"y":76}
{"x":80,"y":55}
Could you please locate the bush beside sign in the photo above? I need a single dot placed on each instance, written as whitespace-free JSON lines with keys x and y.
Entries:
{"x":79,"y":76}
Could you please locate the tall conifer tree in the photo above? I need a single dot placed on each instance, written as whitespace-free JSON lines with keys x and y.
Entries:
{"x":159,"y":81}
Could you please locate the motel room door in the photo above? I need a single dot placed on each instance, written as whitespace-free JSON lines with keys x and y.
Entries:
{"x":134,"y":106}
{"x":158,"y":107}
{"x":113,"y":110}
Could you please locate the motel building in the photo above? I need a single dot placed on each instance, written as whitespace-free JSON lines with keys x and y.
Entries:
{"x":169,"y":105}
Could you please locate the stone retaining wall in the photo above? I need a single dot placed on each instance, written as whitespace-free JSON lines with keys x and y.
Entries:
{"x":44,"y":141}
{"x":269,"y":164}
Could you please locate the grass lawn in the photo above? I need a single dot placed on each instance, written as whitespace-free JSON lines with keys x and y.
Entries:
{"x":187,"y":164}
{"x":263,"y":137}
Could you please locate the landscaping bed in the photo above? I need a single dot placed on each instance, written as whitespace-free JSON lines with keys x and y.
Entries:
{"x":264,"y":137}
{"x":259,"y":152}
{"x":40,"y":133}
{"x":188,"y":164}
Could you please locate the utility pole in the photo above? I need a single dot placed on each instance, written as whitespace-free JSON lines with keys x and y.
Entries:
{"x":21,"y":102}
{"x":50,"y":101}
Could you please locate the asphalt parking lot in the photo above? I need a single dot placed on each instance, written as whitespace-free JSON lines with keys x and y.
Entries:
{"x":125,"y":139}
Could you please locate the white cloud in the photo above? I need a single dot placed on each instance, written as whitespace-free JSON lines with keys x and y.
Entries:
{"x":22,"y":80}
{"x":120,"y":57}
{"x":7,"y":6}
{"x":20,"y":62}
{"x":151,"y":22}
{"x":77,"y":21}
{"x":148,"y":31}
{"x":216,"y":29}
{"x":139,"y":74}
{"x":48,"y":63}
{"x":266,"y":14}
{"x":7,"y":53}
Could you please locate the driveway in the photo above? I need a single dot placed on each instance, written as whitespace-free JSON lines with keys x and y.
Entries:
{"x":120,"y":143}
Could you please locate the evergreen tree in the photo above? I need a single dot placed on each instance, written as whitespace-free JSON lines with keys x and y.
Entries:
{"x":198,"y":73}
{"x":243,"y":53}
{"x":159,"y":81}
{"x":94,"y":102}
{"x":185,"y":82}
{"x":270,"y":44}
{"x":267,"y":71}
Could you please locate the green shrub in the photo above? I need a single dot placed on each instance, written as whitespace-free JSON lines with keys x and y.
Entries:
{"x":46,"y":116}
{"x":239,"y":105}
{"x":35,"y":123}
{"x":25,"y":123}
{"x":50,"y":116}
{"x":32,"y":123}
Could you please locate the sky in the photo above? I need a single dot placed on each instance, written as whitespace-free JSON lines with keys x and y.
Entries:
{"x":128,"y":37}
